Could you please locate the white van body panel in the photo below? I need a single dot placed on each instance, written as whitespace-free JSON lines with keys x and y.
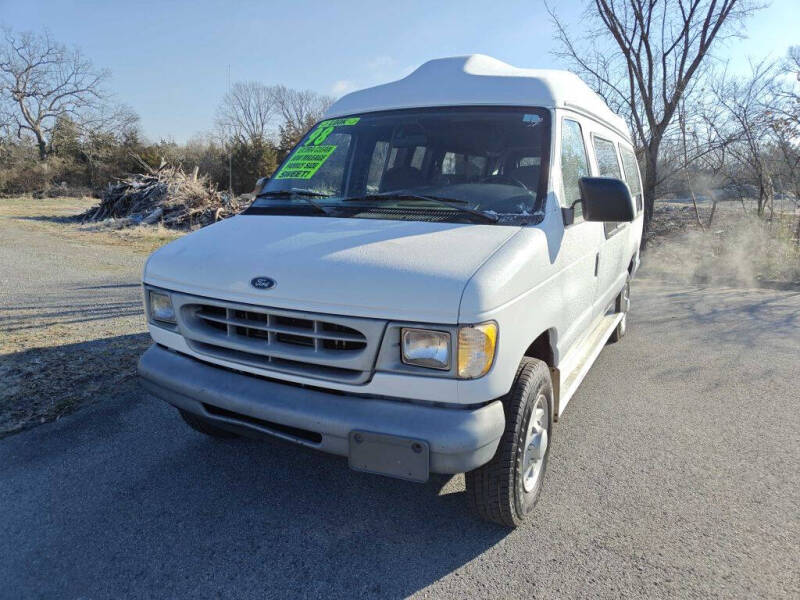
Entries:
{"x":534,"y":279}
{"x":403,"y":270}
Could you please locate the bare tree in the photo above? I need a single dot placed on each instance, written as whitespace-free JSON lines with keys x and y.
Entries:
{"x":748,"y":111}
{"x":787,"y":125}
{"x":258,"y":124}
{"x":42,"y":80}
{"x":253,"y":112}
{"x":693,"y":154}
{"x":711,"y":152}
{"x":248,"y":112}
{"x":6,"y":118}
{"x":299,"y":109}
{"x":685,"y":136}
{"x":107,"y":135}
{"x":642,"y":57}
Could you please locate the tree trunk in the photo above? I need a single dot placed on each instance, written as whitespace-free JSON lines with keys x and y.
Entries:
{"x":713,"y":206}
{"x":650,"y":179}
{"x":770,"y":189}
{"x":797,"y":233}
{"x":42,"y":147}
{"x":694,"y":201}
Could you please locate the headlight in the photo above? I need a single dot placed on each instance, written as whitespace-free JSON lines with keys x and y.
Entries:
{"x":424,"y":348}
{"x":476,"y":345}
{"x":160,"y":306}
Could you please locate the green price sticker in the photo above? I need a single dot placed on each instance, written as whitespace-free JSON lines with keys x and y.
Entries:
{"x":325,"y":128}
{"x":340,"y":122}
{"x":305,"y":161}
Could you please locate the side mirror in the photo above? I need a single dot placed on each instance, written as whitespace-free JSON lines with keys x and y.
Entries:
{"x":606,"y":199}
{"x":260,"y":185}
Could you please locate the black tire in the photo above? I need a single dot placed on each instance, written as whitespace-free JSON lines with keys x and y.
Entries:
{"x":202,"y":425}
{"x":496,"y":491}
{"x":622,"y":305}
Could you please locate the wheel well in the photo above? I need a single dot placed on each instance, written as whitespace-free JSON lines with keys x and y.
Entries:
{"x":542,"y":348}
{"x":632,"y":264}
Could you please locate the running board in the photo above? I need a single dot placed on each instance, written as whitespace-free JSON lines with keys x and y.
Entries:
{"x":578,"y":362}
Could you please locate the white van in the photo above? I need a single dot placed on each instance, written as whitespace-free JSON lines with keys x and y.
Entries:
{"x":420,"y":286}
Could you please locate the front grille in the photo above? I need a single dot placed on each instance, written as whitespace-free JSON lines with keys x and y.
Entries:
{"x":321,"y":346}
{"x":276,"y":329}
{"x":294,"y":367}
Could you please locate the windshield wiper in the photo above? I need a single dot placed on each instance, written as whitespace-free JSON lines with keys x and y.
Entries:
{"x":293,"y":192}
{"x":304,"y":195}
{"x":450,"y":202}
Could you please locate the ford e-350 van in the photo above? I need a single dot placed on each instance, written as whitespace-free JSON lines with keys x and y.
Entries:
{"x":420,"y":286}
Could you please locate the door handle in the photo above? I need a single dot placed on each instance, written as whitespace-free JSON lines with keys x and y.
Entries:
{"x":596,"y":264}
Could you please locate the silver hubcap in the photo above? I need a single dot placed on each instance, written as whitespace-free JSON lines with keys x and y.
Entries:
{"x":535,"y":445}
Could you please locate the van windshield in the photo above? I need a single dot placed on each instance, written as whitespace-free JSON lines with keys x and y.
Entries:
{"x":485,"y":164}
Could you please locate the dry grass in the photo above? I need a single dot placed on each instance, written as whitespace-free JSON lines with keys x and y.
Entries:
{"x":28,"y":206}
{"x":56,"y":215}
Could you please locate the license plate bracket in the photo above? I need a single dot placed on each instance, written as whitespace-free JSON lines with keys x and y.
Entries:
{"x":391,"y":455}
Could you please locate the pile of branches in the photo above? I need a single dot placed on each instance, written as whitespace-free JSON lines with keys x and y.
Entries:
{"x":164,"y":195}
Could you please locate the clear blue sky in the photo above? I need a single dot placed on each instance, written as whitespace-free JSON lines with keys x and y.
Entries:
{"x":169,"y":60}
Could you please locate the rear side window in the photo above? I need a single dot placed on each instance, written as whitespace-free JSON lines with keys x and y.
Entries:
{"x":631,"y":174}
{"x":573,"y":164}
{"x":606,"y":155}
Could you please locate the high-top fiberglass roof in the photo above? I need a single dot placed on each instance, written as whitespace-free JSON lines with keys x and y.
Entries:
{"x":478,"y":80}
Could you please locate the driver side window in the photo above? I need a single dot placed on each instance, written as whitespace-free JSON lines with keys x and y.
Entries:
{"x":574,"y":164}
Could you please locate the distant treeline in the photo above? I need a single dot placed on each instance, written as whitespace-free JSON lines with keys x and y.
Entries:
{"x":62,"y":132}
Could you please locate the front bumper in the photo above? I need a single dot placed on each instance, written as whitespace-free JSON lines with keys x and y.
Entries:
{"x":457,"y":439}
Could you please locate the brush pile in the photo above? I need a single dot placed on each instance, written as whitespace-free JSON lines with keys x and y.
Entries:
{"x":165,"y":195}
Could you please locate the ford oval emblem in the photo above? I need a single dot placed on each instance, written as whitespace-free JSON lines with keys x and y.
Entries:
{"x":263,"y":283}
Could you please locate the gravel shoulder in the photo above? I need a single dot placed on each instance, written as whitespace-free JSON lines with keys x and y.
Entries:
{"x":71,"y":321}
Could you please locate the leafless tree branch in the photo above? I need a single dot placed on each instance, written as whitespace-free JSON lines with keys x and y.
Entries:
{"x":659,"y":48}
{"x":42,"y":80}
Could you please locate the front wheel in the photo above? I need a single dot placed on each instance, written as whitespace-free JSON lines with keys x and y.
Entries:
{"x":505,"y":489}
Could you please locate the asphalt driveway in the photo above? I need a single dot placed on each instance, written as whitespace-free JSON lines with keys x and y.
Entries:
{"x":674,"y":472}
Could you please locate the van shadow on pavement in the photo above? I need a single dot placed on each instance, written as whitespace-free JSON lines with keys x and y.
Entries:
{"x":51,"y":380}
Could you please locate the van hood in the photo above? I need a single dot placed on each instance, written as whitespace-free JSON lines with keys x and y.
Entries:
{"x":401,"y":270}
